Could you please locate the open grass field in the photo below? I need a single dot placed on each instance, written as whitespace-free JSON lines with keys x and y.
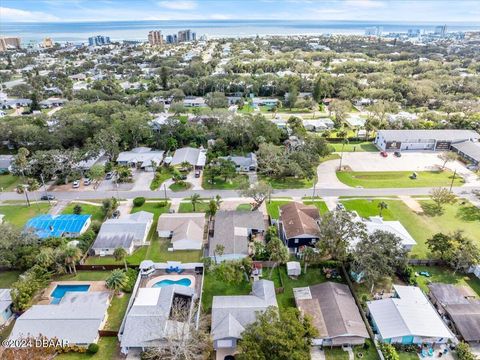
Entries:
{"x":9,"y":182}
{"x":95,"y":211}
{"x":116,"y":311}
{"x":288,"y":183}
{"x":357,"y":146}
{"x":108,"y":349}
{"x":459,"y":216}
{"x":214,"y":286}
{"x":219,"y":183}
{"x":397,"y":179}
{"x":18,"y":215}
{"x":273,"y":207}
{"x":7,"y":278}
{"x":335,"y":354}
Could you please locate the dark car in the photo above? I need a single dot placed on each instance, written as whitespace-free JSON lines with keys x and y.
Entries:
{"x":47,"y":197}
{"x":183,"y":177}
{"x":397,"y":154}
{"x":109,"y":176}
{"x":116,"y":214}
{"x":197,"y":173}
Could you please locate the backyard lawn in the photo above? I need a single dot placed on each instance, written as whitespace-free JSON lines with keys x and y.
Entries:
{"x":397,"y":179}
{"x":9,"y":182}
{"x":108,"y":349}
{"x":457,"y":216}
{"x":445,"y":275}
{"x":273,"y":207}
{"x":95,"y":211}
{"x":18,"y":215}
{"x":116,"y":311}
{"x":7,"y":278}
{"x":320,"y":204}
{"x":214,"y":286}
{"x":85,"y":276}
{"x":219,"y":183}
{"x":357,"y":146}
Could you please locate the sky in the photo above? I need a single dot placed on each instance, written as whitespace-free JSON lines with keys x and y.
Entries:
{"x":410,"y":11}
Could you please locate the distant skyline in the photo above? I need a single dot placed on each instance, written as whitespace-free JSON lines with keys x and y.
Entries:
{"x":420,"y":11}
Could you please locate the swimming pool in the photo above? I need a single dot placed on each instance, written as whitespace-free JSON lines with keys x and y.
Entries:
{"x":167,"y":282}
{"x":60,"y":291}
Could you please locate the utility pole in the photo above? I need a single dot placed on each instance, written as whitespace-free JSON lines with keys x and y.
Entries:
{"x":453,"y":179}
{"x":45,"y":189}
{"x":165,"y":192}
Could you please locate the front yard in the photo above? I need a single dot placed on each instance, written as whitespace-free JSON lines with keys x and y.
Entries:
{"x":9,"y":182}
{"x":288,"y":183}
{"x":273,"y":207}
{"x":219,"y":183}
{"x":87,"y":209}
{"x":187,"y":207}
{"x":398,"y":179}
{"x":18,"y":215}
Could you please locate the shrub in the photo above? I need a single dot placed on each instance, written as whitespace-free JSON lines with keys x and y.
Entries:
{"x":77,"y":209}
{"x":92,"y":348}
{"x":162,"y":204}
{"x":138,"y":201}
{"x":389,"y":352}
{"x":464,"y":352}
{"x":131,"y":279}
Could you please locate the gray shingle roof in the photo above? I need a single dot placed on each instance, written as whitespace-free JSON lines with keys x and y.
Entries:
{"x":466,"y":318}
{"x":469,"y":148}
{"x":186,"y":226}
{"x":249,"y":161}
{"x":5,"y":299}
{"x":231,"y":230}
{"x":447,"y":135}
{"x":195,"y":157}
{"x":76,"y":319}
{"x":6,"y":161}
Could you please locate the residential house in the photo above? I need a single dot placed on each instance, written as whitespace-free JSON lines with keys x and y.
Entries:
{"x":318,"y":124}
{"x":195,"y":102}
{"x":298,"y":225}
{"x":334,"y":314}
{"x":232,"y":314}
{"x":76,"y":319}
{"x":6,"y":162}
{"x":46,"y":226}
{"x":195,"y":157}
{"x":355,"y":121}
{"x":234,"y":230}
{"x":141,"y":157}
{"x":408,"y":318}
{"x":6,"y":312}
{"x":52,"y":102}
{"x":243,"y":163}
{"x":126,"y":232}
{"x":267,"y":102}
{"x":461,"y":305}
{"x":185,"y":230}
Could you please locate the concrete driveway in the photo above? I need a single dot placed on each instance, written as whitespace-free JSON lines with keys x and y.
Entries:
{"x":142,"y":180}
{"x":372,"y":161}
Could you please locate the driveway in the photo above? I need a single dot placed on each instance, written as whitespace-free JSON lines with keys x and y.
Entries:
{"x":370,"y":161}
{"x":142,"y":180}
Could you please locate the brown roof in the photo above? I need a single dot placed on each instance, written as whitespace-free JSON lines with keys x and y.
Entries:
{"x":299,"y":219}
{"x":333,"y":310}
{"x":466,"y":318}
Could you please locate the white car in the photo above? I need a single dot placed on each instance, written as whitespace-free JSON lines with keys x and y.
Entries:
{"x":76,"y":184}
{"x":87,"y":182}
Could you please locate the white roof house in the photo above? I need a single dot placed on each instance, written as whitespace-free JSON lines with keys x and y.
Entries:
{"x":143,"y":156}
{"x":185,"y":229}
{"x":5,"y":306}
{"x":195,"y":157}
{"x":408,"y":318}
{"x":125,"y":232}
{"x":76,"y":319}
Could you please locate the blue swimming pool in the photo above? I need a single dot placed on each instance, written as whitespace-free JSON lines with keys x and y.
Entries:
{"x":58,"y":293}
{"x":167,"y":282}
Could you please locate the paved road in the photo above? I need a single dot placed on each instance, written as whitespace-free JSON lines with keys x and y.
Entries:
{"x":102,"y":194}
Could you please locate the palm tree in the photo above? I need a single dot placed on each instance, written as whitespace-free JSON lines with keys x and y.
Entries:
{"x":194,"y":199}
{"x":120,"y":254}
{"x":72,"y":255}
{"x":219,"y":249}
{"x":382,"y":205}
{"x":212,"y":208}
{"x":308,"y":256}
{"x":116,"y":280}
{"x":218,"y":200}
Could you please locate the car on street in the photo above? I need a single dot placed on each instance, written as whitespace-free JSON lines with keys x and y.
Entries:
{"x":76,"y":184}
{"x":384,"y":153}
{"x":116,"y":214}
{"x":47,"y":197}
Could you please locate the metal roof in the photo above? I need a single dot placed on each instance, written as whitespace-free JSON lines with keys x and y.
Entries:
{"x":447,"y":135}
{"x":469,"y":148}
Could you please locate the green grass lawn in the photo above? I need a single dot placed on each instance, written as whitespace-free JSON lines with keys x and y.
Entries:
{"x":187,"y":207}
{"x":456,"y":216}
{"x":116,"y":311}
{"x":335,"y":354}
{"x":445,"y":275}
{"x":161,"y":176}
{"x":367,"y":354}
{"x":219,"y":183}
{"x":244,"y":207}
{"x":329,"y":157}
{"x":9,"y":182}
{"x":273,"y":207}
{"x":108,"y":350}
{"x":320,"y":204}
{"x":397,"y":179}
{"x":212,"y":286}
{"x":403,"y":355}
{"x":357,"y":146}
{"x":288,"y":183}
{"x":85,"y":276}
{"x":7,"y":278}
{"x":95,"y":211}
{"x":18,"y":215}
{"x":180,"y":186}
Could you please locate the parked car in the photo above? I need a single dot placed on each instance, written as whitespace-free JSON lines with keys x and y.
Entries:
{"x":384,"y":153}
{"x":109,"y":176}
{"x":87,"y":182}
{"x":473,"y":167}
{"x":197,"y":173}
{"x":47,"y":197}
{"x":116,"y":214}
{"x":76,"y":184}
{"x":340,"y":206}
{"x":397,"y":154}
{"x":183,"y":177}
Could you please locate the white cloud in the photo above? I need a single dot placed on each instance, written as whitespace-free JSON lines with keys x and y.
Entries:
{"x":178,"y":5}
{"x":13,"y":15}
{"x":220,"y":17}
{"x":366,"y":4}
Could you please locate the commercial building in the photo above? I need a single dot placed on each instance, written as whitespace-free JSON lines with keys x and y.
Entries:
{"x":9,"y":43}
{"x":98,"y":40}
{"x":155,"y":38}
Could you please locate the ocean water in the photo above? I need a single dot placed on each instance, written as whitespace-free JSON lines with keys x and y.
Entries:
{"x":78,"y":32}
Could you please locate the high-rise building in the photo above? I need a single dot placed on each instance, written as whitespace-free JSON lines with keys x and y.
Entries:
{"x":9,"y":43}
{"x":413,"y":32}
{"x":155,"y":38}
{"x":374,"y":31}
{"x":47,"y":43}
{"x":441,"y":30}
{"x":98,"y":40}
{"x":186,"y":35}
{"x":172,"y":39}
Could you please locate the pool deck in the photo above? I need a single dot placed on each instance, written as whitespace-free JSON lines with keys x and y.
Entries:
{"x":162,"y":275}
{"x":154,"y":280}
{"x":45,"y":297}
